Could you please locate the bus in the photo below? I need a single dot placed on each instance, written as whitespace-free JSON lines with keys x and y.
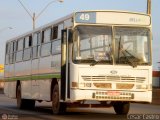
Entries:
{"x":96,"y":58}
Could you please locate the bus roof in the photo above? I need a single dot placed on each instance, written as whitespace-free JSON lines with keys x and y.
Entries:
{"x":68,"y":17}
{"x":42,"y":27}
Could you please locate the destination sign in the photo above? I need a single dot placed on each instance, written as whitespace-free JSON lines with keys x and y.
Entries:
{"x":85,"y":17}
{"x":112,"y":17}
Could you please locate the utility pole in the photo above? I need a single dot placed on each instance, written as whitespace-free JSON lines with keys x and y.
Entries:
{"x":34,"y":20}
{"x":149,"y":7}
{"x":34,"y":17}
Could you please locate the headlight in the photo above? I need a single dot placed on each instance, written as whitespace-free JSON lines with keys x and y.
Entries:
{"x":141,"y":86}
{"x":85,"y":85}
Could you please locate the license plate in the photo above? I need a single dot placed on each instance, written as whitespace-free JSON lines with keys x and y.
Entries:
{"x":113,"y":93}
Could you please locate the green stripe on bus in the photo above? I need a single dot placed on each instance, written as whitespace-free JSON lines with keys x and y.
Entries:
{"x":33,"y":77}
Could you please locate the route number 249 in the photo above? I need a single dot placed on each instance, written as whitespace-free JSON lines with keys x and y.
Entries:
{"x":85,"y":17}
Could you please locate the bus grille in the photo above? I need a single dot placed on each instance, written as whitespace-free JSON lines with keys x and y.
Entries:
{"x":115,"y":79}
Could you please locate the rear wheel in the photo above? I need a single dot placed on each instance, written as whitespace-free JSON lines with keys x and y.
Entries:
{"x":24,"y":103}
{"x":57,"y":106}
{"x":121,"y":108}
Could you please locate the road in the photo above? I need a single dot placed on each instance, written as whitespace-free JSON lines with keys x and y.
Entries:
{"x":43,"y":111}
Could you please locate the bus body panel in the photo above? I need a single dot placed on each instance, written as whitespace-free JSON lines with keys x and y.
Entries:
{"x":26,"y":87}
{"x":101,"y":80}
{"x":10,"y":89}
{"x":85,"y":95}
{"x":35,"y":89}
{"x":35,"y":83}
{"x":45,"y":65}
{"x":23,"y":69}
{"x":45,"y":89}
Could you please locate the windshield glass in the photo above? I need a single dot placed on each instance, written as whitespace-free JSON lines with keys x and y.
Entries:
{"x":132,"y":46}
{"x":92,"y":44}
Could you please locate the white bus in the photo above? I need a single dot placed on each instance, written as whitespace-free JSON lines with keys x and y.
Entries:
{"x":87,"y":59}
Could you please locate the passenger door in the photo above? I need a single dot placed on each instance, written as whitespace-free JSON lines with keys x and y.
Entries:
{"x":65,"y":78}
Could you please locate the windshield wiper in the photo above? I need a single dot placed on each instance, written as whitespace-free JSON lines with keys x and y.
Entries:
{"x":94,"y":63}
{"x":128,"y":58}
{"x":120,"y":49}
{"x":102,"y":60}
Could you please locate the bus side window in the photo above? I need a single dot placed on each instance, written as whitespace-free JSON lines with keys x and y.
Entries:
{"x":11,"y":47}
{"x":39,"y":38}
{"x":19,"y":53}
{"x":35,"y":52}
{"x":27,"y":54}
{"x":56,"y":47}
{"x":19,"y":56}
{"x":28,"y":41}
{"x":14,"y":46}
{"x":45,"y":49}
{"x":7,"y":53}
{"x":12,"y":54}
{"x":27,"y":48}
{"x":8,"y":48}
{"x":54,"y":33}
{"x":42,"y":41}
{"x":20,"y":45}
{"x":46,"y":35}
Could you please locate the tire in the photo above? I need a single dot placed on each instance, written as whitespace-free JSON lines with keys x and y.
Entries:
{"x":24,"y":103}
{"x":57,"y":106}
{"x":121,"y":108}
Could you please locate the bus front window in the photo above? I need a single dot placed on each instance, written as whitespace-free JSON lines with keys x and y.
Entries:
{"x":132,"y":46}
{"x":92,"y":44}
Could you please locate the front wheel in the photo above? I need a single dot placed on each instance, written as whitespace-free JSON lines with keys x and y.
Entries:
{"x":121,"y":108}
{"x":57,"y":106}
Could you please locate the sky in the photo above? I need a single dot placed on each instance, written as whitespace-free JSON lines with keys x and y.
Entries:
{"x":13,"y":15}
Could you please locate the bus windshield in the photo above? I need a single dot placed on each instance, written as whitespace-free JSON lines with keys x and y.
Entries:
{"x":132,"y":46}
{"x":94,"y":44}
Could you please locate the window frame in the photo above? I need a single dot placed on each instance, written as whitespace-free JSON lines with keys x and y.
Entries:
{"x":54,"y":32}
